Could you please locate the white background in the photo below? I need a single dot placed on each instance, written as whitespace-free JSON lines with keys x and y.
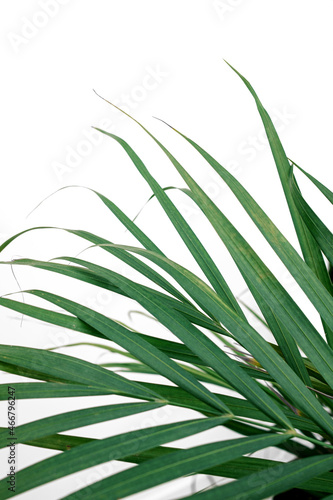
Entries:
{"x":163,"y":59}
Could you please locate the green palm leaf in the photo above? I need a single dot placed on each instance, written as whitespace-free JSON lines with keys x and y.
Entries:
{"x":101,"y":451}
{"x":174,"y":465}
{"x":246,"y":335}
{"x":74,"y":419}
{"x":275,"y":480}
{"x":62,"y":368}
{"x":323,"y":189}
{"x":215,"y":362}
{"x":199,"y":343}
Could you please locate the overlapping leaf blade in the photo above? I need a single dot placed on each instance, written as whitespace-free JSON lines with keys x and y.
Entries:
{"x":174,"y":465}
{"x":64,"y":368}
{"x":244,"y":333}
{"x":184,"y":306}
{"x":74,"y":419}
{"x":312,"y":255}
{"x":136,"y":345}
{"x":286,"y":400}
{"x":195,"y":339}
{"x":235,"y":469}
{"x":272,"y":481}
{"x":253,"y":270}
{"x":192,"y":242}
{"x":101,"y":451}
{"x":229,"y":235}
{"x":305,"y":400}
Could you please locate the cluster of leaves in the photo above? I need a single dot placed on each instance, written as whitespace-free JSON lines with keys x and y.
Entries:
{"x":282,"y":391}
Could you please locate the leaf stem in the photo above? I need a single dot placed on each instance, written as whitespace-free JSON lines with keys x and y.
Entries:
{"x":278,"y":429}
